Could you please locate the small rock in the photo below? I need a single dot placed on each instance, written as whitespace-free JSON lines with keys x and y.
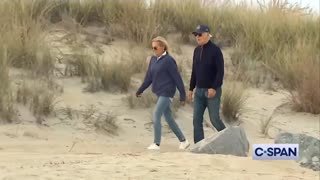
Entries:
{"x":304,"y":160}
{"x":315,"y":159}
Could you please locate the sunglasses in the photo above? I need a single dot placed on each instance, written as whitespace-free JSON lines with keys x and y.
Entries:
{"x":155,"y":48}
{"x":198,"y":35}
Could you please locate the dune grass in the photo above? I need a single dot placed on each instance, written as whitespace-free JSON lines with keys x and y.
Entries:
{"x":7,"y":110}
{"x":284,"y":38}
{"x":100,"y":74}
{"x":39,"y":96}
{"x":23,"y":34}
{"x":233,"y":101}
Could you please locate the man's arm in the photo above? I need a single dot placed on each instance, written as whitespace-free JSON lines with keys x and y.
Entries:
{"x":193,"y":74}
{"x":147,"y":80}
{"x":174,"y":73}
{"x":220,"y":69}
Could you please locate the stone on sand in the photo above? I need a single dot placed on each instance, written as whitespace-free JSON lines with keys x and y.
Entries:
{"x":309,"y":148}
{"x":230,"y":141}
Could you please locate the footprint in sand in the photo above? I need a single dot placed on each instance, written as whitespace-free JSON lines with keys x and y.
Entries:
{"x":129,"y":120}
{"x":11,"y":135}
{"x":148,"y":125}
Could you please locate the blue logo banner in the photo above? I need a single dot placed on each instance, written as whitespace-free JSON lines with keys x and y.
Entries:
{"x":275,"y":152}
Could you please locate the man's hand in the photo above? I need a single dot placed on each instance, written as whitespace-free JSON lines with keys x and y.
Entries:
{"x":211,"y":93}
{"x":190,"y":94}
{"x":138,"y":95}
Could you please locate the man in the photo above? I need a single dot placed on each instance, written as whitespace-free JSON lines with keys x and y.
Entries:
{"x":207,"y":77}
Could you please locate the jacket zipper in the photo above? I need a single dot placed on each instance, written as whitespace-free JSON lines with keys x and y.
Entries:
{"x":201,"y":53}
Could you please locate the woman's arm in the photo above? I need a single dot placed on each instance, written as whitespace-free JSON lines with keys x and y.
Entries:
{"x":147,"y":80}
{"x":173,"y":70}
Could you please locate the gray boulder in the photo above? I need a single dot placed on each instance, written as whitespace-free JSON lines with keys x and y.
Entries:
{"x":230,"y":141}
{"x":309,"y":148}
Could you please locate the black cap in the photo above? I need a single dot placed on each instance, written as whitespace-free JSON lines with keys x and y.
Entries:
{"x":201,"y":29}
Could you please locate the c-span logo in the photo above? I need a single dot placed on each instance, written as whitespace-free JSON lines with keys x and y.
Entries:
{"x":275,"y":152}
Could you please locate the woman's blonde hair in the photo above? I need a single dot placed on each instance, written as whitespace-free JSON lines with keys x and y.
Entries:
{"x":162,"y":41}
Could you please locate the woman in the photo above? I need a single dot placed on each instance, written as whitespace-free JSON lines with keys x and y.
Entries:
{"x":164,"y":76}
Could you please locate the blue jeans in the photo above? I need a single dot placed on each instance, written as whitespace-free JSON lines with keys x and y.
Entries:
{"x":163,"y":108}
{"x":201,"y":102}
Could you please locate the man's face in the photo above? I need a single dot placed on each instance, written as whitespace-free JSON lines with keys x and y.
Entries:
{"x":202,"y":38}
{"x":157,"y":49}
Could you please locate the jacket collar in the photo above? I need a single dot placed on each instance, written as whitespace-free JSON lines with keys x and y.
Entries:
{"x":162,"y":56}
{"x":205,"y":45}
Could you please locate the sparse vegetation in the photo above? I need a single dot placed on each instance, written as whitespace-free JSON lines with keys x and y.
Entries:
{"x":101,"y":122}
{"x":7,"y":110}
{"x":107,"y":123}
{"x":265,"y":125}
{"x":138,"y":60}
{"x":233,"y":101}
{"x":99,"y":74}
{"x":24,"y":34}
{"x":38,"y":95}
{"x":299,"y":73}
{"x":147,"y":100}
{"x":89,"y":112}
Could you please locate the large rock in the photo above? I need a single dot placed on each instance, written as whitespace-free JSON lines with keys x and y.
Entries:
{"x":230,"y":141}
{"x":309,"y":148}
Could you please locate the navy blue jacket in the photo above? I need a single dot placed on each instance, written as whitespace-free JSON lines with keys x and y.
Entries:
{"x":207,"y":67}
{"x":164,"y":76}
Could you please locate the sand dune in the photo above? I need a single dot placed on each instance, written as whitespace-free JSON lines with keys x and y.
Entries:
{"x":65,"y":148}
{"x":65,"y":152}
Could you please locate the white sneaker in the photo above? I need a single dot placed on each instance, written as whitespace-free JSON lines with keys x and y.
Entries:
{"x":184,"y":145}
{"x":154,"y":147}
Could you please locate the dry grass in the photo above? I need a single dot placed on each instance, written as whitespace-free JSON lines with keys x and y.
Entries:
{"x":24,"y":35}
{"x":279,"y":43}
{"x":280,"y":36}
{"x":111,"y":76}
{"x":265,"y":125}
{"x":234,"y":97}
{"x":101,"y":122}
{"x":147,"y":100}
{"x":299,"y":72}
{"x":138,"y":60}
{"x":92,"y":117}
{"x":7,"y":110}
{"x":107,"y":123}
{"x":99,"y":74}
{"x":23,"y":46}
{"x":40,"y":96}
{"x":136,"y":22}
{"x":184,"y":19}
{"x":89,"y":112}
{"x":83,"y":11}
